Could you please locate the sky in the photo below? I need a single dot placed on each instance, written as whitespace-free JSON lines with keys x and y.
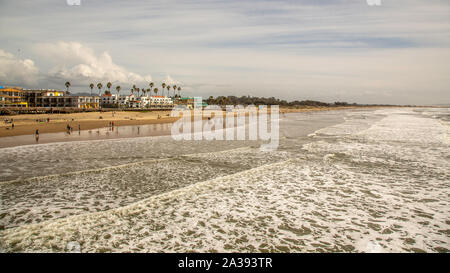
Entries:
{"x":343,"y":50}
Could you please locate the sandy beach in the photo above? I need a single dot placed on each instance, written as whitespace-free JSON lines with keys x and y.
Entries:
{"x":53,"y":123}
{"x":28,"y":124}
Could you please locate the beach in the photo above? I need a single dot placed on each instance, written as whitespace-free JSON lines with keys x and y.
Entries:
{"x":53,"y":123}
{"x":358,"y":180}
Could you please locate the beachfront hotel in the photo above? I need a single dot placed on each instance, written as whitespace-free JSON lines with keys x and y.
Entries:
{"x":55,"y":98}
{"x":12,"y":97}
{"x":16,"y":97}
{"x":132,"y":101}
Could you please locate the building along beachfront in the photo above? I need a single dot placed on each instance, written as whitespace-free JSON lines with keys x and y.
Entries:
{"x":14,"y":97}
{"x":132,"y":101}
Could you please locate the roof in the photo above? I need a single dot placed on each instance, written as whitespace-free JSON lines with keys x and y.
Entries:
{"x":11,"y":89}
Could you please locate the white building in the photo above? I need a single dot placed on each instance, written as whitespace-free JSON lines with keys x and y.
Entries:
{"x":160,"y":101}
{"x":136,"y":102}
{"x":109,"y":99}
{"x":86,"y":102}
{"x":149,"y":101}
{"x":123,"y":100}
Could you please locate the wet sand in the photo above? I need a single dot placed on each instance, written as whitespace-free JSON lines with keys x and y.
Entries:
{"x":28,"y":124}
{"x":89,"y":126}
{"x":107,"y":132}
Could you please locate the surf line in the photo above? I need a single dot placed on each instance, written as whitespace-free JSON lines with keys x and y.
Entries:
{"x":221,"y":121}
{"x":99,"y":170}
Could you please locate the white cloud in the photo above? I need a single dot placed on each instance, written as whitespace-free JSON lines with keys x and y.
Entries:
{"x":170,"y":80}
{"x":332,"y":50}
{"x":78,"y":63}
{"x":15,"y":71}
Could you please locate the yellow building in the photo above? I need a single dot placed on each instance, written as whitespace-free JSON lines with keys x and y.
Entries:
{"x":12,"y":97}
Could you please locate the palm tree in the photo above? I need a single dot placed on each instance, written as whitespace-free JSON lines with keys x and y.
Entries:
{"x":109,"y":84}
{"x":174,"y":89}
{"x":163,"y":87}
{"x":151,"y":85}
{"x":67,"y":86}
{"x":118,"y":90}
{"x":156,"y":91}
{"x":99,"y":86}
{"x":179,"y":91}
{"x":92,"y":87}
{"x":168,"y":90}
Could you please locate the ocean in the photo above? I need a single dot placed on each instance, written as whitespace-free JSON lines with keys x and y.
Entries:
{"x":361,"y":180}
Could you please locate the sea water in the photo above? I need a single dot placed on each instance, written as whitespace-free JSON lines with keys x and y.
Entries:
{"x":341,"y":181}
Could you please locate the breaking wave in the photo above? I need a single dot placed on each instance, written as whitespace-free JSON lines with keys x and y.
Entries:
{"x":378,"y":182}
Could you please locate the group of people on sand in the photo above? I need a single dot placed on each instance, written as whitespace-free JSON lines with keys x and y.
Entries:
{"x":9,"y":121}
{"x":43,"y":120}
{"x":70,"y":129}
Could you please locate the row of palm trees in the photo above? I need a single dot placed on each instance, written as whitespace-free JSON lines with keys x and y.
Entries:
{"x":144,"y":91}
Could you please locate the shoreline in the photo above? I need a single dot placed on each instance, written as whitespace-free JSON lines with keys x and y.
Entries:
{"x":25,"y":125}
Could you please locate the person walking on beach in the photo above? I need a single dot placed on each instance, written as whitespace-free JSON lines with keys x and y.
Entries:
{"x":36,"y":134}
{"x":12,"y":126}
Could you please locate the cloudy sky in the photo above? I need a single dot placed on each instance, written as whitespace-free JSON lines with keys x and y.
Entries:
{"x":326,"y":50}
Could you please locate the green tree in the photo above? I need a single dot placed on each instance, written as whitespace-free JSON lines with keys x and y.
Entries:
{"x":99,"y":86}
{"x":67,"y":84}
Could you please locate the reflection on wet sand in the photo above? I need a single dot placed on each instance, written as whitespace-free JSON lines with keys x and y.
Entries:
{"x":101,"y":133}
